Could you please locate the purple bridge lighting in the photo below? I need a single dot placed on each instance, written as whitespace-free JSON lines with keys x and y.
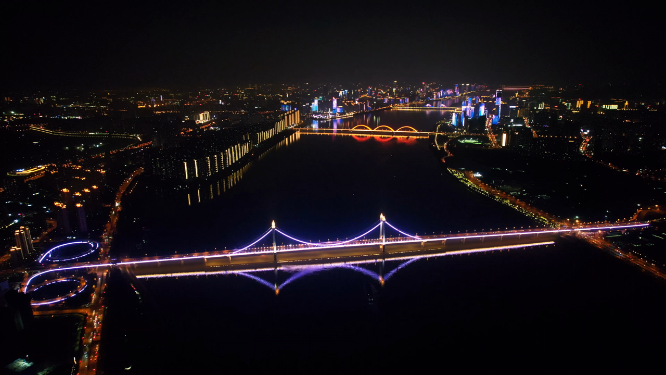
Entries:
{"x":340,"y":254}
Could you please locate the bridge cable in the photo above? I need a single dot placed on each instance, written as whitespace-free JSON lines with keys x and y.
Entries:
{"x":253,"y":243}
{"x":301,"y":241}
{"x":401,"y":232}
{"x":324,"y":244}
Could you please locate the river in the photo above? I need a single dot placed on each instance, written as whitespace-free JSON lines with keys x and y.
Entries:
{"x":534,"y":303}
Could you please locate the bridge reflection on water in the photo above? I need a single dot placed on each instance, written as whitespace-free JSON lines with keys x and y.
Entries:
{"x":388,"y":267}
{"x":307,"y":257}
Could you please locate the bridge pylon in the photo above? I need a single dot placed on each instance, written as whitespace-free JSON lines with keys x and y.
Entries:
{"x":382,"y":231}
{"x":274,"y":243}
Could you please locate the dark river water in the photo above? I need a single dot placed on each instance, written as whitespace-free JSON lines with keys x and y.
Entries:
{"x":522,"y":308}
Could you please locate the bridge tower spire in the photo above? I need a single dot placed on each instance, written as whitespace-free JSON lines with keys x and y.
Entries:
{"x":274,"y":243}
{"x":382,"y":230}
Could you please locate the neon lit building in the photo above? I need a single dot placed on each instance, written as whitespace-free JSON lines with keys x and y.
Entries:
{"x":315,"y":106}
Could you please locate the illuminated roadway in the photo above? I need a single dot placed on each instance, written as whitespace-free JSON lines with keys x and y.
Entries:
{"x":305,"y":257}
{"x":357,"y":248}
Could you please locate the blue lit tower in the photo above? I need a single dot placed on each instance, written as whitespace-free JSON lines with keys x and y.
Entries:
{"x":457,"y":92}
{"x":482,"y":109}
{"x":335,"y":104}
{"x":315,"y":106}
{"x":498,"y":102}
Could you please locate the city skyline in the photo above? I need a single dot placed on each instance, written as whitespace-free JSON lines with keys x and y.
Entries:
{"x":369,"y":186}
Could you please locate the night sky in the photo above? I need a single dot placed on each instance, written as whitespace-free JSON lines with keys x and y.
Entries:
{"x":112,"y":45}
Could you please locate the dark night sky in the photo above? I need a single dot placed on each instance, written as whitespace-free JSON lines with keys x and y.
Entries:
{"x":107,"y":44}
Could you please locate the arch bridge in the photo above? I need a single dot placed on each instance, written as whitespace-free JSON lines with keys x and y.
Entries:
{"x":383,"y":131}
{"x":364,"y":130}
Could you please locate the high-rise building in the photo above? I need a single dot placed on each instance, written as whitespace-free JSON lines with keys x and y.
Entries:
{"x":67,"y":197}
{"x":315,"y":106}
{"x":24,"y":241}
{"x":83,"y":222}
{"x":203,"y":117}
{"x":335,"y":104}
{"x":498,"y":103}
{"x":63,"y":218}
{"x":16,"y":254}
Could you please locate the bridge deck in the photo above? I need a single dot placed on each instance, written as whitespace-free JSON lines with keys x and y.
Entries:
{"x":398,"y":133}
{"x":354,"y":252}
{"x":338,"y":254}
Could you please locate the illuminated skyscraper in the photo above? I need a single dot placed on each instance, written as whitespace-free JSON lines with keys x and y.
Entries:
{"x":67,"y":196}
{"x":63,"y":219}
{"x":83,"y":222}
{"x":498,"y":103}
{"x":335,"y":104}
{"x":16,"y":254}
{"x":203,"y":117}
{"x":24,"y":241}
{"x":315,"y":106}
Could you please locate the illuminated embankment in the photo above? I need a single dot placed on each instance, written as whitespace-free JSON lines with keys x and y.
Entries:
{"x":85,"y":134}
{"x":467,"y":178}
